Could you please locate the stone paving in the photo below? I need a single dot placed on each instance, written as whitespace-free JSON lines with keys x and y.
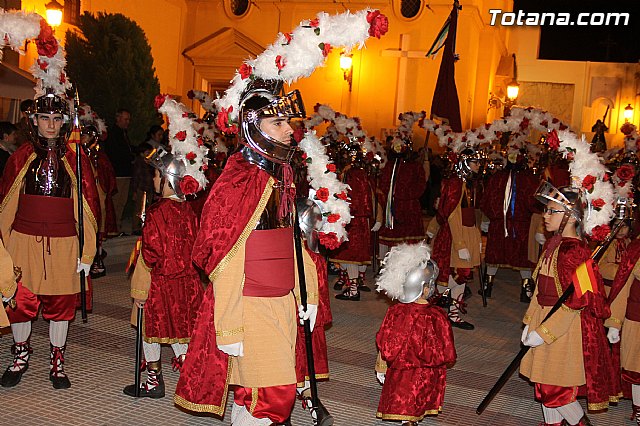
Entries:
{"x":100,"y":362}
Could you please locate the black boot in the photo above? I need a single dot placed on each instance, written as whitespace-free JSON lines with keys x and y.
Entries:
{"x":362,"y":286}
{"x":635,"y":415}
{"x":488,"y":282}
{"x":13,"y":374}
{"x":457,"y":307}
{"x":351,"y":292}
{"x":526,"y":291}
{"x":153,"y":387}
{"x":319,"y":415}
{"x":342,"y":281}
{"x":57,"y":375}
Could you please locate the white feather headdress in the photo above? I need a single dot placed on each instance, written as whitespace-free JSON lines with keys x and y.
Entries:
{"x":397,"y":264}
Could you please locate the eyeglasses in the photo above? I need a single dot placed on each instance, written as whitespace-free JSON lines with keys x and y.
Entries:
{"x":551,"y":211}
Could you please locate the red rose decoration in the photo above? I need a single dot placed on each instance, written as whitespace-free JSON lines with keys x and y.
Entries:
{"x":46,"y":42}
{"x":552,"y":140}
{"x":245,"y":71}
{"x":331,"y":167}
{"x":222,"y":121}
{"x":333,"y":218}
{"x":329,"y":240}
{"x":189,"y":185}
{"x":627,"y":128}
{"x":378,"y":24}
{"x":314,"y":23}
{"x":342,"y":195}
{"x":598,"y":203}
{"x":600,"y":232}
{"x":190,"y":94}
{"x":159,"y":100}
{"x":298,"y":134}
{"x":288,"y":37}
{"x":280,"y":62}
{"x":588,"y":181}
{"x":626,"y":173}
{"x":191,"y":156}
{"x":322,"y":194}
{"x":43,"y":64}
{"x":62,"y":78}
{"x":181,"y":135}
{"x":326,"y":48}
{"x":200,"y":142}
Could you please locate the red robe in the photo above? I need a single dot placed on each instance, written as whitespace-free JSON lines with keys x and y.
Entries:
{"x":231,"y":203}
{"x":450,"y":195}
{"x":107,"y":180}
{"x":416,"y":341}
{"x":358,"y":249}
{"x":319,"y":339}
{"x":510,"y":250}
{"x":175,"y":293}
{"x":410,"y":183}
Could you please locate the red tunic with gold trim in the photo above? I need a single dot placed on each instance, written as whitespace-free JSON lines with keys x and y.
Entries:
{"x":513,"y":220}
{"x":576,"y":351}
{"x":358,"y":249}
{"x":416,"y":341}
{"x":318,"y":336}
{"x":408,"y":185}
{"x":175,"y":294}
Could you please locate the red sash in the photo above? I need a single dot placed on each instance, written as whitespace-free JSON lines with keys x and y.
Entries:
{"x":468,"y":216}
{"x":45,"y":216}
{"x":268,"y":264}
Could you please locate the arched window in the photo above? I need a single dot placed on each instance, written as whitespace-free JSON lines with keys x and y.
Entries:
{"x":239,"y":7}
{"x":410,"y":8}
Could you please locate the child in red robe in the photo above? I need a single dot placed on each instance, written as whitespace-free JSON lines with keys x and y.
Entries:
{"x":172,"y":298}
{"x":415,"y":340}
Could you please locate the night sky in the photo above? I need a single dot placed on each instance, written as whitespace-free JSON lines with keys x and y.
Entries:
{"x":587,"y":43}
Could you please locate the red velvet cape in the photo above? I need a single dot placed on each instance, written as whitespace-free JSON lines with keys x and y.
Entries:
{"x":450,"y":195}
{"x":231,"y":204}
{"x":18,"y":161}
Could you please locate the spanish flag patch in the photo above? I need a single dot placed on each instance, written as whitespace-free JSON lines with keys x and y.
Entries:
{"x":584,"y":278}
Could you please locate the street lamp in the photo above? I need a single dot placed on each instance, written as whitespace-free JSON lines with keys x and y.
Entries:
{"x":346,"y":65}
{"x":513,"y":89}
{"x":54,"y":13}
{"x":628,"y":113}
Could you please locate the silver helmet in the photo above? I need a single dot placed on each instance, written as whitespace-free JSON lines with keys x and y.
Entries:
{"x":568,"y":197}
{"x":465,"y":158}
{"x":262,"y":100}
{"x":311,"y":221}
{"x":171,"y":169}
{"x":419,"y":281}
{"x":50,"y":103}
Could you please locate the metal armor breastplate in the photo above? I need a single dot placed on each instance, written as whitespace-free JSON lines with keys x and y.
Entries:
{"x":269,"y":218}
{"x":47,"y":175}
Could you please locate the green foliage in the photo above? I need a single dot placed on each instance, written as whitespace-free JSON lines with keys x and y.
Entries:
{"x":110,"y":62}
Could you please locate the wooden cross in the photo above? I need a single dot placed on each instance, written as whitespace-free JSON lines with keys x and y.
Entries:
{"x":404,"y":54}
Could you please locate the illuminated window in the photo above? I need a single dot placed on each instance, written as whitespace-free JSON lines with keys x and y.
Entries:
{"x":410,"y":8}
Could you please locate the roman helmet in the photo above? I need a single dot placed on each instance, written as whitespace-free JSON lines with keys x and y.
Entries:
{"x":263,"y":99}
{"x":465,"y":158}
{"x":50,"y":103}
{"x":171,"y":169}
{"x":311,"y":219}
{"x":567,"y":196}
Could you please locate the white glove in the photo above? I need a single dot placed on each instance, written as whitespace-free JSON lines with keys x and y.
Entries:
{"x":533,"y":339}
{"x":310,"y":314}
{"x":233,"y":349}
{"x":540,"y":238}
{"x":613,"y":335}
{"x":525,"y":333}
{"x":376,"y":227}
{"x":380,"y":377}
{"x":464,"y":254}
{"x":484,"y":226}
{"x":83,"y":267}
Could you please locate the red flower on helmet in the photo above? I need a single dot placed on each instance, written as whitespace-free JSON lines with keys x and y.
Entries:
{"x":322,"y":194}
{"x":342,"y":195}
{"x":159,"y":100}
{"x":314,"y":23}
{"x":191,"y":156}
{"x":287,"y":37}
{"x":181,"y":135}
{"x":46,"y":42}
{"x":43,"y":64}
{"x":326,"y":48}
{"x":552,"y":140}
{"x":378,"y":23}
{"x":331,"y":168}
{"x":588,"y":181}
{"x":598,"y":203}
{"x":625,"y":173}
{"x":280,"y":62}
{"x":329,"y":240}
{"x":245,"y":71}
{"x":627,"y":128}
{"x":189,"y":185}
{"x":333,"y":218}
{"x":600,"y":232}
{"x":223,"y":123}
